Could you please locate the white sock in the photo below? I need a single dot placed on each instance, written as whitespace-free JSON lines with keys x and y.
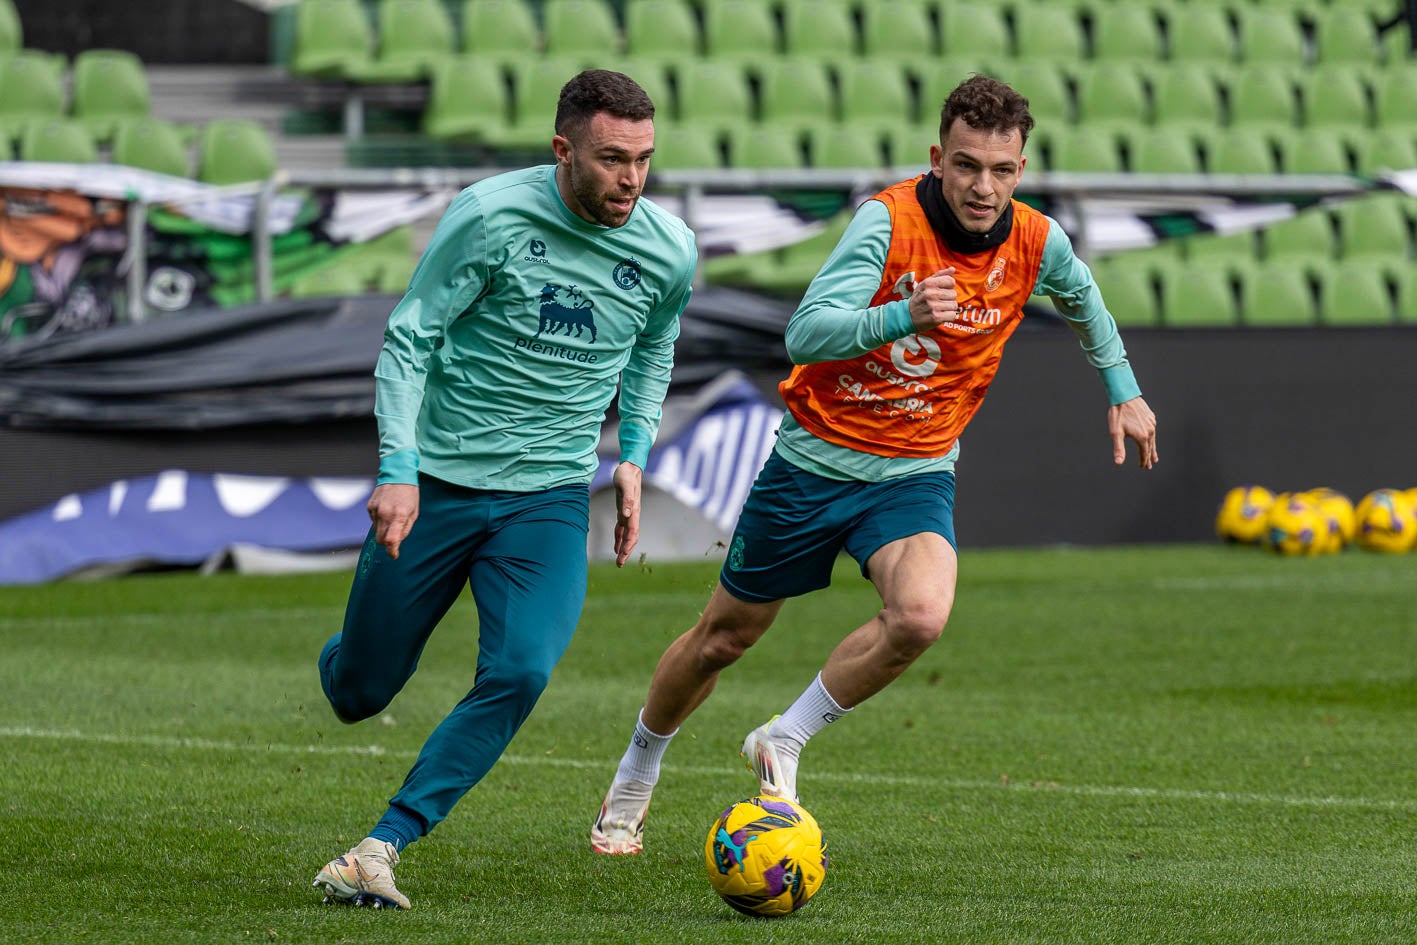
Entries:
{"x":813,"y":711}
{"x":641,"y":760}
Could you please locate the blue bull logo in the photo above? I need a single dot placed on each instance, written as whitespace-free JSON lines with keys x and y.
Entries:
{"x":566,"y":319}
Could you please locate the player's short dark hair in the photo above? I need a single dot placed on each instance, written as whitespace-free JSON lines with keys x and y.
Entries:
{"x":600,"y":90}
{"x":987,"y":105}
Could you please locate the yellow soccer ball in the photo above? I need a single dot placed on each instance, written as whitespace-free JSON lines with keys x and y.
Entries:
{"x":765,"y":856}
{"x":1242,"y":514}
{"x":1295,"y":526}
{"x":1386,"y":522}
{"x":1338,"y":510}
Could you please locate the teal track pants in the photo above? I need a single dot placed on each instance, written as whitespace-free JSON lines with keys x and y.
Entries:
{"x":524,"y":557}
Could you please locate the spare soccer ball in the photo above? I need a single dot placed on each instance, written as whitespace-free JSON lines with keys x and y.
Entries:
{"x":1386,"y":521}
{"x":765,"y":856}
{"x":1294,"y":526}
{"x":1336,"y":508}
{"x":1242,"y":513}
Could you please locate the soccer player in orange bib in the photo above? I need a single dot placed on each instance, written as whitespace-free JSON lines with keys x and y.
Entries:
{"x":895,"y":344}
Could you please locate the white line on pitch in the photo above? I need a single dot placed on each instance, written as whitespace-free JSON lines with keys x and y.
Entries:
{"x":1081,"y":790}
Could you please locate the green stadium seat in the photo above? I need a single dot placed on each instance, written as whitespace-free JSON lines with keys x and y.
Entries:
{"x":1239,"y":245}
{"x":1049,"y":33}
{"x":1387,"y":149}
{"x":343,"y":273}
{"x":1355,"y":292}
{"x":661,"y":29}
{"x":233,"y":151}
{"x":1128,"y":292}
{"x":937,"y":78}
{"x":1303,"y":151}
{"x":1198,"y":33}
{"x":1240,"y":150}
{"x":499,"y":29}
{"x":973,"y":30}
{"x":1112,"y":94}
{"x":333,"y":39}
{"x":847,"y":146}
{"x":1185,"y":95}
{"x":898,"y":30}
{"x":536,"y":88}
{"x":824,"y":29}
{"x":1345,"y":34}
{"x":766,"y":146}
{"x":685,"y":147}
{"x":29,"y":90}
{"x":874,"y":92}
{"x":58,"y":140}
{"x":1277,"y":294}
{"x":109,"y":86}
{"x":12,"y":37}
{"x":1263,"y":96}
{"x":1397,"y":45}
{"x":152,"y":145}
{"x":1270,"y":34}
{"x":1198,"y":295}
{"x":1045,"y":87}
{"x":713,"y":92}
{"x":414,"y":36}
{"x":1307,"y":238}
{"x":1395,"y":98}
{"x":1162,"y":150}
{"x":467,"y":99}
{"x":1335,"y":95}
{"x":572,"y":27}
{"x":1407,"y":298}
{"x":1084,"y":149}
{"x":908,"y":146}
{"x":1125,"y":32}
{"x":1374,"y":227}
{"x":795,"y":92}
{"x":740,"y":30}
{"x":652,"y":75}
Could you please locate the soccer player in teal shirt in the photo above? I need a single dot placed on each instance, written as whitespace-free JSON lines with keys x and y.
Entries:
{"x":541,"y":290}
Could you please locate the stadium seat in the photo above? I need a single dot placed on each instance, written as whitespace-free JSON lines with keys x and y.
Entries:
{"x":1128,"y":293}
{"x":1276,"y":294}
{"x":233,"y":151}
{"x":1045,"y":87}
{"x":822,"y":29}
{"x":874,"y":92}
{"x":1049,"y":33}
{"x":59,"y":140}
{"x":973,"y":30}
{"x":1197,"y":295}
{"x":499,"y":29}
{"x":685,"y":147}
{"x":898,"y":30}
{"x":1335,"y":95}
{"x":333,"y":39}
{"x":1354,"y":292}
{"x":1407,"y":298}
{"x":109,"y":86}
{"x":1240,"y":150}
{"x":713,"y":92}
{"x":1306,"y":238}
{"x":12,"y":37}
{"x":1270,"y":34}
{"x":536,"y":88}
{"x":652,"y":75}
{"x":846,"y":146}
{"x":1387,"y":149}
{"x":1198,"y":33}
{"x":414,"y":36}
{"x":1162,"y":150}
{"x":1186,"y":96}
{"x":740,"y":30}
{"x":795,"y":92}
{"x":765,"y":146}
{"x":571,"y":27}
{"x":343,"y":273}
{"x":1084,"y":149}
{"x":467,"y":99}
{"x":1345,"y":34}
{"x":1309,"y":151}
{"x":152,"y":145}
{"x":1374,"y":227}
{"x":1396,"y":102}
{"x":1125,"y":32}
{"x":1111,"y":94}
{"x":936,"y":79}
{"x":1397,"y":45}
{"x":1263,"y":97}
{"x":1239,"y":245}
{"x":29,"y":91}
{"x":661,"y":29}
{"x":908,"y":146}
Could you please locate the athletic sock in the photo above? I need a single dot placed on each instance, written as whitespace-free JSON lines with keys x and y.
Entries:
{"x":641,"y":760}
{"x":398,"y":826}
{"x":813,"y":711}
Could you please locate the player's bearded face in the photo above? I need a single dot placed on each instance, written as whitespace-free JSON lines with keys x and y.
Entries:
{"x":978,"y":172}
{"x":606,"y":166}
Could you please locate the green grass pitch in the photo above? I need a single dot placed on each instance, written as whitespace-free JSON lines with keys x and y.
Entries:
{"x":1131,"y":745}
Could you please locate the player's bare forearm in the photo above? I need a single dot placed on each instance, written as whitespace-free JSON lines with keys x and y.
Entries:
{"x":1133,"y":420}
{"x":393,"y":508}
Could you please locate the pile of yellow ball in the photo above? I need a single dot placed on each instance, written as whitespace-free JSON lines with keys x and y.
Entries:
{"x":1318,"y":521}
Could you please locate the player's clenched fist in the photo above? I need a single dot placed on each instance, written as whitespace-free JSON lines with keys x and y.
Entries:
{"x":933,"y":301}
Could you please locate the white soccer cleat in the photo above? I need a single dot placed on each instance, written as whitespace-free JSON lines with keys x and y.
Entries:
{"x":620,"y":827}
{"x":772,"y":762}
{"x":363,"y":877}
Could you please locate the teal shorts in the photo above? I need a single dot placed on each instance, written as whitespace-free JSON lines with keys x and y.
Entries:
{"x":795,"y":523}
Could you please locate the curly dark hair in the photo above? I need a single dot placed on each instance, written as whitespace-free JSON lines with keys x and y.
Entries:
{"x":988,"y":105}
{"x":600,"y":90}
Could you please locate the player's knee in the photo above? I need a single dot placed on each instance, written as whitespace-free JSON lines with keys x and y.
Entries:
{"x":358,"y":704}
{"x":722,"y":647}
{"x":914,"y":629}
{"x":519,"y":685}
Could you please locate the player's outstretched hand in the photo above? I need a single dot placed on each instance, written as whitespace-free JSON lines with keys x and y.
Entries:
{"x":1133,"y":420}
{"x":393,"y":508}
{"x":934,"y":301}
{"x":627,"y":511}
